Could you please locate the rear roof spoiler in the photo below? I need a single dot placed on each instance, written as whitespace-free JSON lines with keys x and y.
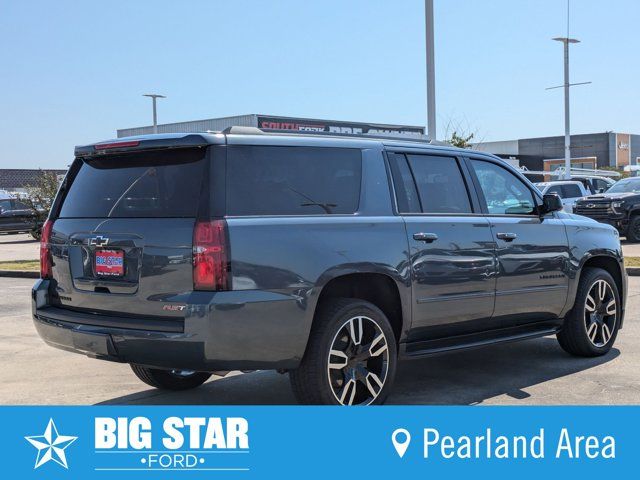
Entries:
{"x":147,"y":142}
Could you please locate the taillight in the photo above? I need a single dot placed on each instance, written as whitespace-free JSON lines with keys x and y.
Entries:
{"x":210,"y":256}
{"x":45,"y":250}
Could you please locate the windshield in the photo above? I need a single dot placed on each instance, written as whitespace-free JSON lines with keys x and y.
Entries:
{"x":629,"y":185}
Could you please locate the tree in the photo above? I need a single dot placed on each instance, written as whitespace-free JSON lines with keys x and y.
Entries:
{"x":39,"y":197}
{"x":460,"y":133}
{"x":460,"y":140}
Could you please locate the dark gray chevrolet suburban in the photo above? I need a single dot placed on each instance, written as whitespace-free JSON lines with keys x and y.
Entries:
{"x":326,"y":257}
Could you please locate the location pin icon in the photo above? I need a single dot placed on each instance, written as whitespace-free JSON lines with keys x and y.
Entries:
{"x":401,"y":444}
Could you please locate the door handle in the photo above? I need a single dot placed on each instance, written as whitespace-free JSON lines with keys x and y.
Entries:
{"x":507,"y":237}
{"x":425,"y":237}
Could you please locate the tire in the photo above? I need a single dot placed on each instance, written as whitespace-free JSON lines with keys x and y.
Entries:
{"x":363,"y":371}
{"x":170,"y":379}
{"x":591,"y":327}
{"x":36,"y":234}
{"x":633,"y":230}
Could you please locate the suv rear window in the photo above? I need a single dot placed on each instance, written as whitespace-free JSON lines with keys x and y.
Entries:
{"x":163,"y":183}
{"x":292,"y":180}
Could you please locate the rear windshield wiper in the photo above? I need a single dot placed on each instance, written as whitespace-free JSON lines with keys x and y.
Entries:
{"x":312,"y":203}
{"x":151,"y":171}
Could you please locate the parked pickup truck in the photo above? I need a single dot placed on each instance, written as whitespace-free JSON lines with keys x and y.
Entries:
{"x":619,"y":206}
{"x":326,"y":257}
{"x":594,"y":184}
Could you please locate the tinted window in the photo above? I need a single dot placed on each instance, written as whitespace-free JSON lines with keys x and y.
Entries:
{"x":503,"y":191}
{"x":600,"y":184}
{"x":440,"y":184}
{"x":405,"y":187}
{"x":151,"y":184}
{"x":293,"y":180}
{"x":628,"y":185}
{"x":571,"y":191}
{"x":5,"y":205}
{"x":555,"y":189}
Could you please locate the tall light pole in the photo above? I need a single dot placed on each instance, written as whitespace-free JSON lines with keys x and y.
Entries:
{"x":566,"y":85}
{"x":567,"y":120}
{"x":431,"y":70}
{"x":153,"y":97}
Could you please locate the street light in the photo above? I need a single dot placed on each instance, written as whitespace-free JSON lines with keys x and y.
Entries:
{"x":567,"y":122}
{"x":153,"y":97}
{"x":566,"y":85}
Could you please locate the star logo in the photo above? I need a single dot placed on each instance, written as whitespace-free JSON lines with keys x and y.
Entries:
{"x":51,"y":446}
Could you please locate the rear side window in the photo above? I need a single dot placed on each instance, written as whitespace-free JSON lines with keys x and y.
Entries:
{"x":163,"y":183}
{"x":404,"y":185}
{"x":292,"y":180}
{"x":5,"y":205}
{"x":440,"y":184}
{"x":557,"y":190}
{"x":571,"y":191}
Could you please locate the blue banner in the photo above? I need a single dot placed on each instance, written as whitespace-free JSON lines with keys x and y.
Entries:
{"x":317,"y":442}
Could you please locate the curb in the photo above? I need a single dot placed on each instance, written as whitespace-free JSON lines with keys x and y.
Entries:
{"x":633,"y":271}
{"x":20,"y":273}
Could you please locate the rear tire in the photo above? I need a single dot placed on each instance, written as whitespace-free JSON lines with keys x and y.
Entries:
{"x":350,"y":358}
{"x":170,"y":379}
{"x":633,"y":230}
{"x":591,"y":327}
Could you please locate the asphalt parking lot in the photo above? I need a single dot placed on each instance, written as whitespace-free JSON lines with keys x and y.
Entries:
{"x":18,"y":247}
{"x":533,"y":372}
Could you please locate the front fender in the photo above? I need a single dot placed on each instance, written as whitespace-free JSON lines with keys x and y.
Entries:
{"x":588,"y":242}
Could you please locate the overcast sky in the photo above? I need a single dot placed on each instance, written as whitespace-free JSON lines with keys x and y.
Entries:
{"x":74,"y":72}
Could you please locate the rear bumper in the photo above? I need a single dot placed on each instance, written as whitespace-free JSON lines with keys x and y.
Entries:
{"x":239,"y":330}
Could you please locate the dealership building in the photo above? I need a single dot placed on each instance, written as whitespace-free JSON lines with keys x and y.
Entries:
{"x":272,"y":122}
{"x":593,"y":150}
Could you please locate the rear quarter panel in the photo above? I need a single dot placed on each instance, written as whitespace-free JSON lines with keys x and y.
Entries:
{"x":298,"y":256}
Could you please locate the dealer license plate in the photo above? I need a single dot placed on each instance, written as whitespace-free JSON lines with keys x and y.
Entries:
{"x":109,"y":263}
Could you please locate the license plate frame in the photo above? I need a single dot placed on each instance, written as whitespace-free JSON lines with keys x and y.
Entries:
{"x":109,"y":263}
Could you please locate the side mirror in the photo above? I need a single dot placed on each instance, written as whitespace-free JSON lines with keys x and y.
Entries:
{"x":550,"y":203}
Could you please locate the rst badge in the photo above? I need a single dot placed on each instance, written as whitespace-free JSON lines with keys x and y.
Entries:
{"x":173,"y":308}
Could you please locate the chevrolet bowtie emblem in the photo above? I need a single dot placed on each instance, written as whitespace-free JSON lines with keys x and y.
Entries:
{"x":98,"y":241}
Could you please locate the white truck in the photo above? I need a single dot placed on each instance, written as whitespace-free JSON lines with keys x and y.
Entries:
{"x":568,"y":190}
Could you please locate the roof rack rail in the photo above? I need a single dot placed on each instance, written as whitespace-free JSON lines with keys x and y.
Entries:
{"x":575,"y":171}
{"x":237,"y":130}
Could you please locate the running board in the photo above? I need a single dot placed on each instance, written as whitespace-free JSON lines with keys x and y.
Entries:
{"x":477,"y":340}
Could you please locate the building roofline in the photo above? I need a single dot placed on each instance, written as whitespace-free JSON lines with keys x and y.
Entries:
{"x":553,"y":136}
{"x":305,"y":119}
